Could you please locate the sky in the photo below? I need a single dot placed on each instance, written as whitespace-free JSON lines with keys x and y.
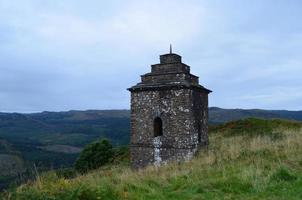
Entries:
{"x":59,"y":55}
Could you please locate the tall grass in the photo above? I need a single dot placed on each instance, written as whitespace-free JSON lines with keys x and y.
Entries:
{"x":235,"y":166}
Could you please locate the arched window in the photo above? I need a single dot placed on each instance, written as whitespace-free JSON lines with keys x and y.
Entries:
{"x":158,"y":127}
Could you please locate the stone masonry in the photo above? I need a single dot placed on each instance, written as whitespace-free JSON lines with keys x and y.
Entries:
{"x":169,"y":114}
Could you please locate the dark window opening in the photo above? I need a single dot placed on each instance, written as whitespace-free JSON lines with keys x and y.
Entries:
{"x":158,"y":127}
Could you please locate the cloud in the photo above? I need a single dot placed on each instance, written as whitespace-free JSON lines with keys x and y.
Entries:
{"x":157,"y":22}
{"x":60,"y":55}
{"x":274,"y":96}
{"x":136,"y":25}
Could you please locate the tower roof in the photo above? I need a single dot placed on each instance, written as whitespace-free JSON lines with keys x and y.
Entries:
{"x":169,"y":73}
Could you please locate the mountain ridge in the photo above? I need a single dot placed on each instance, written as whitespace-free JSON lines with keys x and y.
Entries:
{"x":216,"y":114}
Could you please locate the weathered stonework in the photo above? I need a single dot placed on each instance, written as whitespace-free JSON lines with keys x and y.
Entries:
{"x":169,"y":114}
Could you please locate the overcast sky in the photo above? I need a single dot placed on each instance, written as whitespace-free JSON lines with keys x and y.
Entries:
{"x":61,"y":55}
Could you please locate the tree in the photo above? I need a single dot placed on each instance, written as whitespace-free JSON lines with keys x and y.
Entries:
{"x":94,"y":156}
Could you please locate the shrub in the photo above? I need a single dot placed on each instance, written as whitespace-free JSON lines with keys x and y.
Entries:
{"x":94,"y":156}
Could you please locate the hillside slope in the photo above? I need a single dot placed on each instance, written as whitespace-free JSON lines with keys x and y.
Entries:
{"x":247,"y":159}
{"x":51,"y":140}
{"x":11,"y":163}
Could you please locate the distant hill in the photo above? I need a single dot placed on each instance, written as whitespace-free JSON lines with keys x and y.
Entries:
{"x":51,"y":138}
{"x":219,"y":115}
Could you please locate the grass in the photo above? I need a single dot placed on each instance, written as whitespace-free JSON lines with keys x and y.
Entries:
{"x":244,"y":164}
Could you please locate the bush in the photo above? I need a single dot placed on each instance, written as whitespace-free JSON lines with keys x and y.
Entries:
{"x":94,"y":156}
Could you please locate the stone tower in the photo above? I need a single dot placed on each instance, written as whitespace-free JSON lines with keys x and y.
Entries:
{"x":169,"y":114}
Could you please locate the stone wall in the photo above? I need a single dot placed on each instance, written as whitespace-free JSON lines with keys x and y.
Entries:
{"x":182,"y":111}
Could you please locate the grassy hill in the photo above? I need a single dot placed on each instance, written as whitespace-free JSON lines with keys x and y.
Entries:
{"x":51,"y":140}
{"x":246,"y":159}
